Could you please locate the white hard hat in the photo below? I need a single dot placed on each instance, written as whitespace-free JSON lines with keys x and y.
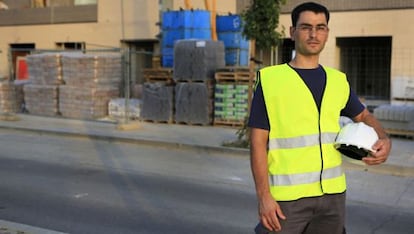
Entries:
{"x":355,"y":140}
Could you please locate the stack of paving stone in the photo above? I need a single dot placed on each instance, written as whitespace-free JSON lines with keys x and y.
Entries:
{"x":157,"y":102}
{"x":45,"y":76}
{"x":195,"y":63}
{"x":91,"y":82}
{"x":197,"y":60}
{"x":8,"y":104}
{"x":194,"y":103}
{"x":396,"y":119}
{"x":45,"y":68}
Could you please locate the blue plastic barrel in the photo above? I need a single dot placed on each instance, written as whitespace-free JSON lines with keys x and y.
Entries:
{"x":201,"y":19}
{"x":229,"y":23}
{"x":237,"y":57}
{"x":233,"y":40}
{"x":167,"y":19}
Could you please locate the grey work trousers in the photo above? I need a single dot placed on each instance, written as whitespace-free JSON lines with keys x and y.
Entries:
{"x":314,"y":215}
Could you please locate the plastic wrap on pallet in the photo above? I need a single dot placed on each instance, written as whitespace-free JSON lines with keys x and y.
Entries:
{"x":90,"y":70}
{"x":8,"y":97}
{"x":231,"y":102}
{"x":399,"y":117}
{"x":85,"y":103}
{"x":45,"y":68}
{"x":192,"y":103}
{"x":402,"y":87}
{"x":41,"y":99}
{"x":117,"y":108}
{"x":197,"y":60}
{"x":157,"y":102}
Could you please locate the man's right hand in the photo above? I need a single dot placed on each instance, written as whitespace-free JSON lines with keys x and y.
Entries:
{"x":270,"y":213}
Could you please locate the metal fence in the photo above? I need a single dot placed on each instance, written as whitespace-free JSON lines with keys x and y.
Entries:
{"x":378,"y":75}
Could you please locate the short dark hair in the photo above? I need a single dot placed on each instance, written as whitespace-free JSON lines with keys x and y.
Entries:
{"x":308,"y":6}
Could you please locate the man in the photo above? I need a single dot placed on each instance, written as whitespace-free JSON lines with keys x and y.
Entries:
{"x":294,"y":120}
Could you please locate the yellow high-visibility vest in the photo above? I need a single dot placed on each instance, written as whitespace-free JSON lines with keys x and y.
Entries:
{"x":302,"y":160}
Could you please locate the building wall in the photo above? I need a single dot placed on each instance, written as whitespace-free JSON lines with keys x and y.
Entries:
{"x":354,"y":5}
{"x":222,"y":7}
{"x":116,"y":21}
{"x":370,"y":23}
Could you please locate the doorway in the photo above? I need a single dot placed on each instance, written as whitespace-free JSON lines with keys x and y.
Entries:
{"x":17,"y":54}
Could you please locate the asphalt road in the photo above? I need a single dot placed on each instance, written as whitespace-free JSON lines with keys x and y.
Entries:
{"x":77,"y":185}
{"x":80,"y":185}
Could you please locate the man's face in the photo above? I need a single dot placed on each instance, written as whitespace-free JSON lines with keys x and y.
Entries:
{"x":310,"y":33}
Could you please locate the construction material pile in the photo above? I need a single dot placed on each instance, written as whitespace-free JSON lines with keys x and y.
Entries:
{"x":157,"y":102}
{"x":91,"y":82}
{"x":8,"y":104}
{"x":41,"y":94}
{"x":194,"y":103}
{"x":396,"y":119}
{"x":197,"y":60}
{"x":74,"y":85}
{"x":45,"y":68}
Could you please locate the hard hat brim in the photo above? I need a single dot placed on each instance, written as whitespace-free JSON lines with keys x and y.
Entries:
{"x":352,"y":151}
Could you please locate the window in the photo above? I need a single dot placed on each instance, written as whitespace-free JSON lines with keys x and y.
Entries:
{"x":70,"y":45}
{"x":367,"y":63}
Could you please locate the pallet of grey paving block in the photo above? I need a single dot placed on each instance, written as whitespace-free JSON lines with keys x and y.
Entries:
{"x":194,"y":103}
{"x":157,"y":102}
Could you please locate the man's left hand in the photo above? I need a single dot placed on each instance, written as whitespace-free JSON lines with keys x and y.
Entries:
{"x":382,"y":149}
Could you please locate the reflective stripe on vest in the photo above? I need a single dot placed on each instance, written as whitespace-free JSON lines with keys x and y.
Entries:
{"x":305,"y":178}
{"x":301,"y":141}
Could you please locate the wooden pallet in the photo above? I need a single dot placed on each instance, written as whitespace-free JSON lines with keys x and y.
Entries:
{"x":158,"y":75}
{"x":192,"y":124}
{"x":233,"y":69}
{"x":228,"y":122}
{"x":159,"y":121}
{"x":400,"y":132}
{"x":408,"y":99}
{"x":233,"y":74}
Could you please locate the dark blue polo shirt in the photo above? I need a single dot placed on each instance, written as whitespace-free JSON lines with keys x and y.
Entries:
{"x":315,"y":79}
